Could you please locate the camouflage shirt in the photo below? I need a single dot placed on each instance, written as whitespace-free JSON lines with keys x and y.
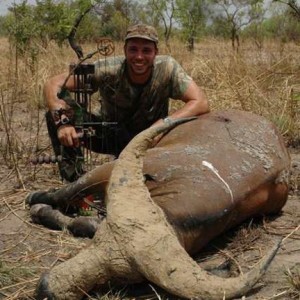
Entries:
{"x":138,"y":106}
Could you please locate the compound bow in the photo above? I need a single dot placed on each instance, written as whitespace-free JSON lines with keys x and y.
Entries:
{"x":80,"y":101}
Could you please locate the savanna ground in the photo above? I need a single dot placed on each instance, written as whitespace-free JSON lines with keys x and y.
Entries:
{"x":265,"y":81}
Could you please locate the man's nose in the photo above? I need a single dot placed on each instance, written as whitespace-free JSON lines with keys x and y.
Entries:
{"x":139,"y":54}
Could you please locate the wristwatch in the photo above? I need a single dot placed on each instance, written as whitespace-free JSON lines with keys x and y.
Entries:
{"x":62,"y":116}
{"x":167,"y":120}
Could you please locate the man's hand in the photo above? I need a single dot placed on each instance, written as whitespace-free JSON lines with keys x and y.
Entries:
{"x":68,"y":136}
{"x":159,"y":122}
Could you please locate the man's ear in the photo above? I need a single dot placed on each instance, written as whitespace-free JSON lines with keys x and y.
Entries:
{"x":156,"y":48}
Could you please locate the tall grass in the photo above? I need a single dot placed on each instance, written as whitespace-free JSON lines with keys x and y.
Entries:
{"x":265,"y":81}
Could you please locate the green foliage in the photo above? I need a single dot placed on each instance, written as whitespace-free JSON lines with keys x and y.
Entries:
{"x":115,"y":16}
{"x":165,"y":12}
{"x":290,"y":29}
{"x":3,"y":30}
{"x":47,"y":20}
{"x":22,"y":29}
{"x":116,"y":22}
{"x":28,"y":25}
{"x":120,"y":23}
{"x":231,"y":16}
{"x":54,"y":19}
{"x":273,"y":26}
{"x":89,"y":28}
{"x":219,"y":28}
{"x":283,"y":27}
{"x":190,"y":14}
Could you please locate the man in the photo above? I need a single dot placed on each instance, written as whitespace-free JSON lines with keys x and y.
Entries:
{"x":135,"y":93}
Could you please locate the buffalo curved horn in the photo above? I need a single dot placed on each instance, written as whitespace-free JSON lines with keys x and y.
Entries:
{"x":102,"y":260}
{"x":136,"y":241}
{"x":148,"y":241}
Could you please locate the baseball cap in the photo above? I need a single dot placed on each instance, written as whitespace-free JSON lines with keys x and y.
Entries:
{"x":142,"y":31}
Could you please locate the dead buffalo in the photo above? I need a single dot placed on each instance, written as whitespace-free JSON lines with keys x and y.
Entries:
{"x":204,"y":177}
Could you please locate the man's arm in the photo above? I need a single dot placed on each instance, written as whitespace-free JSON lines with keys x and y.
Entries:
{"x":195,"y":103}
{"x":51,"y":89}
{"x":66,"y":134}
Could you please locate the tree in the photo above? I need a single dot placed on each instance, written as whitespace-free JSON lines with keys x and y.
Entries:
{"x":22,"y":29}
{"x":292,"y":17}
{"x":236,"y":14}
{"x":50,"y":20}
{"x":116,"y":16}
{"x":54,"y":20}
{"x":47,"y":20}
{"x":190,"y":15}
{"x":165,"y":12}
{"x":294,"y":6}
{"x":3,"y":20}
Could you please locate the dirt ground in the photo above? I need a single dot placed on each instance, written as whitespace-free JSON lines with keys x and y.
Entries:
{"x":27,"y":250}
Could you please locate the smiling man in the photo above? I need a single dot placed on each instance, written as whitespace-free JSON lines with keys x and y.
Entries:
{"x":134,"y":93}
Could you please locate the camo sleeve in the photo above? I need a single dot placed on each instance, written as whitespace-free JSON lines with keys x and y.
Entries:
{"x":106,"y":70}
{"x":180,"y":80}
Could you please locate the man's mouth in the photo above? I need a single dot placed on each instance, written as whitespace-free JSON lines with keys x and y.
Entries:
{"x":138,"y":65}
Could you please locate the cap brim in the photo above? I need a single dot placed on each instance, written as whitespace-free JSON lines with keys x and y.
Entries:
{"x":141,"y":37}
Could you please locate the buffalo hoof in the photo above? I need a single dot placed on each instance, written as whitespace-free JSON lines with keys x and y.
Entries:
{"x":44,"y":214}
{"x":84,"y":227}
{"x":37,"y":198}
{"x":42,"y":291}
{"x":52,"y":218}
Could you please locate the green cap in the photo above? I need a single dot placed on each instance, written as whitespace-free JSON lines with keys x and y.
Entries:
{"x":142,"y":31}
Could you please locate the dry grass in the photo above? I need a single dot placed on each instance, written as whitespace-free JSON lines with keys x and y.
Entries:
{"x":293,"y":278}
{"x":264,"y":81}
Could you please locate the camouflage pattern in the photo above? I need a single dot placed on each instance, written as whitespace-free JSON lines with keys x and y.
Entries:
{"x":143,"y":32}
{"x":138,"y":106}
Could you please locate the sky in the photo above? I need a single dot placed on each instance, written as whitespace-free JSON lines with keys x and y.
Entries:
{"x":4,"y":4}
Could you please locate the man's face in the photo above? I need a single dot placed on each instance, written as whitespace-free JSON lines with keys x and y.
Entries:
{"x":140,"y":55}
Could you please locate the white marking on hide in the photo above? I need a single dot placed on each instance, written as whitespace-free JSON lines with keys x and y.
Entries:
{"x":215,"y":171}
